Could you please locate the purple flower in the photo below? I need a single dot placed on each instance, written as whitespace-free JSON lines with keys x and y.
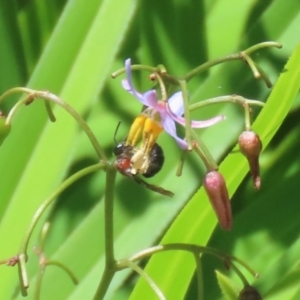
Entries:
{"x":167,"y":113}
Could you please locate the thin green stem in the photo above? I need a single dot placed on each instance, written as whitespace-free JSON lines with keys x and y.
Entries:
{"x":210,"y":64}
{"x":204,"y":153}
{"x":14,"y":91}
{"x":64,"y":268}
{"x":251,"y":64}
{"x":188,"y":128}
{"x":108,"y":226}
{"x":106,"y":279}
{"x":181,"y":163}
{"x":23,"y":277}
{"x":110,"y":263}
{"x":32,"y":94}
{"x":164,"y":96}
{"x":237,"y":56}
{"x":196,"y":249}
{"x":247,"y":116}
{"x":49,"y":111}
{"x":262,"y":45}
{"x":149,"y":280}
{"x":38,"y":283}
{"x":51,"y":199}
{"x":225,"y":99}
{"x":239,"y":273}
{"x":200,"y":286}
{"x":135,"y":67}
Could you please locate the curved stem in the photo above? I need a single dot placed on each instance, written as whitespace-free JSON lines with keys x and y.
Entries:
{"x":135,"y":67}
{"x":52,"y":197}
{"x":262,"y":45}
{"x":240,"y":274}
{"x":237,"y":56}
{"x":32,"y":94}
{"x":64,"y":268}
{"x":149,"y":280}
{"x":210,"y":64}
{"x":196,"y":249}
{"x":204,"y":153}
{"x":225,"y":99}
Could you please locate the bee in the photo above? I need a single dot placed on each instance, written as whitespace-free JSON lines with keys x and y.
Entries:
{"x":132,"y":162}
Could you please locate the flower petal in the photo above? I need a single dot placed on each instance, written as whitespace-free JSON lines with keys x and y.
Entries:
{"x":127,"y":84}
{"x":170,"y":128}
{"x":150,"y":98}
{"x":196,"y":124}
{"x":176,"y":104}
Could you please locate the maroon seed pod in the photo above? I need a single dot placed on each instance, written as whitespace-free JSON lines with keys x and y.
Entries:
{"x":215,"y":187}
{"x":250,"y":146}
{"x":249,"y":293}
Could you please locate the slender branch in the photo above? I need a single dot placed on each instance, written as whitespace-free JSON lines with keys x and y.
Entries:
{"x":45,"y":95}
{"x":204,"y":153}
{"x":225,"y":99}
{"x":210,"y":64}
{"x":110,"y":263}
{"x":149,"y":280}
{"x":52,"y":197}
{"x":64,"y":268}
{"x":108,"y":225}
{"x":200,"y":285}
{"x":185,"y":247}
{"x":237,"y":56}
{"x":188,"y":128}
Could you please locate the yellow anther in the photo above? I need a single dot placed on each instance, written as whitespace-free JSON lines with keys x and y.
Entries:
{"x":136,"y":129}
{"x":150,"y":134}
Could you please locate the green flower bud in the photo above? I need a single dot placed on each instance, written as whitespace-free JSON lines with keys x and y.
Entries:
{"x":249,"y":293}
{"x":215,"y":187}
{"x":250,"y":146}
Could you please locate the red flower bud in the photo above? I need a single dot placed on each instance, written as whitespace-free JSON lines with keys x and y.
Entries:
{"x":215,"y":187}
{"x":250,"y":146}
{"x":249,"y":293}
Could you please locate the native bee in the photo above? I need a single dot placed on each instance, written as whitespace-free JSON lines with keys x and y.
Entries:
{"x":132,"y":161}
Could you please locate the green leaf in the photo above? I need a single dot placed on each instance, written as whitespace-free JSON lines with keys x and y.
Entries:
{"x":226,"y":285}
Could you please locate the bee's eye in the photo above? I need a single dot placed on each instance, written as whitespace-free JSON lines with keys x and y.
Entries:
{"x":119,"y":149}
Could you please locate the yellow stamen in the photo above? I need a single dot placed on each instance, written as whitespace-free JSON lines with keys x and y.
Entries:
{"x":150,"y":134}
{"x":136,"y":129}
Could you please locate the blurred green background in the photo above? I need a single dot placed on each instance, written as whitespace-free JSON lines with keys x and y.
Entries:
{"x":70,"y":48}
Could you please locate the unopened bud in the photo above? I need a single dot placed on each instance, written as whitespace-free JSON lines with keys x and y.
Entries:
{"x":250,"y":146}
{"x":249,"y":293}
{"x":215,"y":187}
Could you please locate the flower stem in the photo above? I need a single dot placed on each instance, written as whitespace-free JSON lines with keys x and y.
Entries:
{"x":225,"y":99}
{"x":52,"y":197}
{"x":149,"y":280}
{"x":188,"y":128}
{"x":108,"y":226}
{"x":64,"y":268}
{"x":110,"y":263}
{"x":262,"y":45}
{"x":200,"y":286}
{"x":32,"y":94}
{"x":204,"y":153}
{"x":237,"y":56}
